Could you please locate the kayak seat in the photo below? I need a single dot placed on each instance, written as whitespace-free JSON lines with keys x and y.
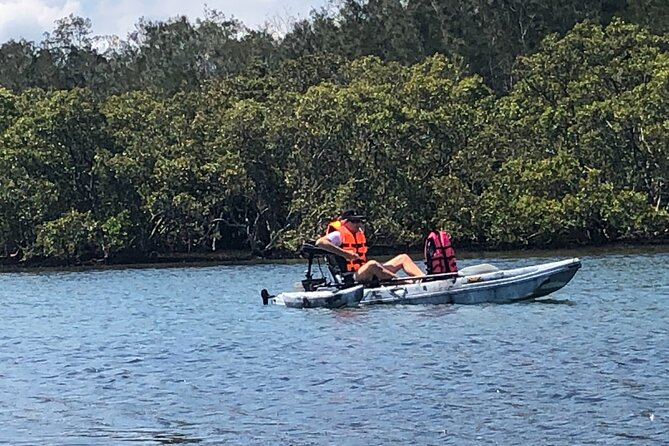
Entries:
{"x":336,"y":264}
{"x":310,"y":250}
{"x":337,"y":267}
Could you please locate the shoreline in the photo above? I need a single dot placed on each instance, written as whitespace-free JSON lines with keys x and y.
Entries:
{"x":236,"y":257}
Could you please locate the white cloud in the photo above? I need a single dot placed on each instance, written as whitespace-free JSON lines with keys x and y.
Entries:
{"x":31,"y":18}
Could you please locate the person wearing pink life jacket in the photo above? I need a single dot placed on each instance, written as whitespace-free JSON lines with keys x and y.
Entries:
{"x":345,"y":238}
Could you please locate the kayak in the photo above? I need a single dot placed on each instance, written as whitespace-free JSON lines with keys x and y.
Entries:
{"x":492,"y":286}
{"x":472,"y":285}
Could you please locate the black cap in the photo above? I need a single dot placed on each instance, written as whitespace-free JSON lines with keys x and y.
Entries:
{"x":351,"y":214}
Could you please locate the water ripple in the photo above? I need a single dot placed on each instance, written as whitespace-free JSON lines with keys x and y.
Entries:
{"x":182,"y":356}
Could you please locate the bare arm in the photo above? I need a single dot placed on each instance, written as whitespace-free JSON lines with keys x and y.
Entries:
{"x":327,"y":245}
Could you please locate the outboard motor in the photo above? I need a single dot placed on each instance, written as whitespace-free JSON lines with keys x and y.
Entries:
{"x":439,"y":253}
{"x":265,"y":296}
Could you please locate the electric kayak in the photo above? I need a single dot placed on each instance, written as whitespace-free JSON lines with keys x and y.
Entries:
{"x":471,"y":285}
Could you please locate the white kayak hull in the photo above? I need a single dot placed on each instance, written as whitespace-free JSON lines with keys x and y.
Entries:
{"x":501,"y":286}
{"x":474,"y":285}
{"x":348,"y":297}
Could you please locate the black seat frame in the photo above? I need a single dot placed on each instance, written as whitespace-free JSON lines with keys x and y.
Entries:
{"x":336,"y":267}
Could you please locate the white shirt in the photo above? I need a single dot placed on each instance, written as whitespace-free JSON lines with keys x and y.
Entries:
{"x":334,"y":237}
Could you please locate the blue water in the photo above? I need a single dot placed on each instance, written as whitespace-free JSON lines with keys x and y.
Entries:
{"x":186,"y":355}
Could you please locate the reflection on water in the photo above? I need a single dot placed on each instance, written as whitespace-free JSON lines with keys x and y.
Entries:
{"x":189,"y":355}
{"x":551,"y":301}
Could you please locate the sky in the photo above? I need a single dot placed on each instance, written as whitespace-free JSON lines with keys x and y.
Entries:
{"x":30,"y":19}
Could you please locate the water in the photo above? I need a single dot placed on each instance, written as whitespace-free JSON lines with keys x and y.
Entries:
{"x":189,"y":355}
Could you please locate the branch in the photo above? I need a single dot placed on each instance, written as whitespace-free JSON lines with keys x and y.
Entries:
{"x":155,"y":227}
{"x":278,"y":233}
{"x":230,"y":223}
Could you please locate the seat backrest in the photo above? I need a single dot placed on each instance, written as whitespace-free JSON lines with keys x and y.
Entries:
{"x":337,"y":267}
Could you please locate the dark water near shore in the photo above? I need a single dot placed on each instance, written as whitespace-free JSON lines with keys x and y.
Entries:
{"x":186,"y":355}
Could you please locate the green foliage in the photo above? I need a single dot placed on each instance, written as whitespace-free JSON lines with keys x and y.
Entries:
{"x":71,"y":237}
{"x":56,"y":139}
{"x":177,"y":54}
{"x":8,"y":111}
{"x":553,"y":202}
{"x":77,"y":236}
{"x":597,"y":94}
{"x":261,"y":159}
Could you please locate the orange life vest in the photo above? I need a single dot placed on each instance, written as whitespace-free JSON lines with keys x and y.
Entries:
{"x":350,"y":242}
{"x":333,"y":226}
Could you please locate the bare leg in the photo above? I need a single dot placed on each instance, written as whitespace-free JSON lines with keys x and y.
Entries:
{"x":373,"y":270}
{"x":404,"y":262}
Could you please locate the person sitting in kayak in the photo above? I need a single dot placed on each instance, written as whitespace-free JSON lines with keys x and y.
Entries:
{"x":345,"y":238}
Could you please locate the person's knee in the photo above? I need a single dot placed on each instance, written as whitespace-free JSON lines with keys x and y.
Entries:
{"x":373,"y":270}
{"x":369,"y":267}
{"x":403,"y":258}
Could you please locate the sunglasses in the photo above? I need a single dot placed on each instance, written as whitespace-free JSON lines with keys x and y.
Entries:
{"x":356,"y":220}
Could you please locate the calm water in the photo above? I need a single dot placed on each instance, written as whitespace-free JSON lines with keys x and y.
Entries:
{"x":164,"y":356}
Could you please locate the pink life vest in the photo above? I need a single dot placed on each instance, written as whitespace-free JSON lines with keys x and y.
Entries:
{"x":439,"y":253}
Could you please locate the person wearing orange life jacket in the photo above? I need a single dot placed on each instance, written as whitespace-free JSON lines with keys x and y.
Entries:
{"x":346,"y":238}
